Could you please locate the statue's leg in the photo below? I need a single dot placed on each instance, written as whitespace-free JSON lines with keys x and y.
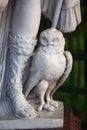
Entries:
{"x":3,"y":4}
{"x":24,"y":28}
{"x":26,"y":18}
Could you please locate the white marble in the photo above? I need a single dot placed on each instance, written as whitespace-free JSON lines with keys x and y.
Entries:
{"x":45,"y":120}
{"x":50,"y":66}
{"x":19,"y":25}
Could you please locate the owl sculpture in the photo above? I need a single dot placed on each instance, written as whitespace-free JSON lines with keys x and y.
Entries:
{"x":50,"y":67}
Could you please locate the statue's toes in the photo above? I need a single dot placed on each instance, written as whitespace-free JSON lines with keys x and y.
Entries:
{"x":40,"y":108}
{"x":21,"y":113}
{"x":25,"y":111}
{"x":30,"y":111}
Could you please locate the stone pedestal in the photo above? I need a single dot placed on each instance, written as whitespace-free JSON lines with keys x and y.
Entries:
{"x":44,"y":120}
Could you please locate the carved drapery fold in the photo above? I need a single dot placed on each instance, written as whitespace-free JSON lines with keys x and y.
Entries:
{"x":67,"y":13}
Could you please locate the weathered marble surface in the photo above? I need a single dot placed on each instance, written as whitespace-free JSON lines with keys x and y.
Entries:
{"x":44,"y":119}
{"x":50,"y":67}
{"x":18,"y":31}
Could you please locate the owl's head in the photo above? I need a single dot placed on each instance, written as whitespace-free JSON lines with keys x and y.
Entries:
{"x":52,"y":37}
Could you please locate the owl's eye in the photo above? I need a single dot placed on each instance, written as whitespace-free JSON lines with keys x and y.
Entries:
{"x":45,"y":40}
{"x":55,"y":40}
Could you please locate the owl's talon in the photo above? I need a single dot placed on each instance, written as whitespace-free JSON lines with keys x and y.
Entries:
{"x":40,"y":108}
{"x":49,"y":107}
{"x":46,"y":107}
{"x":54,"y":103}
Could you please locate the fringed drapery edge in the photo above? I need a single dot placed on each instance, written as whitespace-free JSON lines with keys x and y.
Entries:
{"x":70,"y":14}
{"x":69,"y":18}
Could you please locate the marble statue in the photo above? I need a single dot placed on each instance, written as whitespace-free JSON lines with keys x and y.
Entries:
{"x":19,"y":24}
{"x":54,"y":63}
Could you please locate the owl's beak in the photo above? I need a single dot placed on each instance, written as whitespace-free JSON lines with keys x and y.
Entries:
{"x":51,"y":43}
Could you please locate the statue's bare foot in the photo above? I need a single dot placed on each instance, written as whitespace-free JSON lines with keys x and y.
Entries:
{"x":22,"y":107}
{"x":54,"y":103}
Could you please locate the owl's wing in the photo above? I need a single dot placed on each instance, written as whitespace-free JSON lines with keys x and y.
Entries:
{"x":39,"y":66}
{"x":69,"y":62}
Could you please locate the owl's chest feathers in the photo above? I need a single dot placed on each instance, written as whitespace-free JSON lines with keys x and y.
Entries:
{"x":56,"y":67}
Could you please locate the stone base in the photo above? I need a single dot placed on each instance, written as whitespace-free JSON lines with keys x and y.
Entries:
{"x":45,"y":119}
